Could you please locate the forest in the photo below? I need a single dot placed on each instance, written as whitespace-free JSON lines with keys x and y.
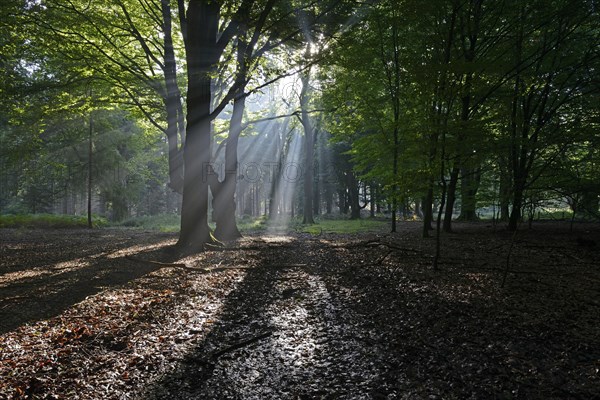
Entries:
{"x":298,"y":199}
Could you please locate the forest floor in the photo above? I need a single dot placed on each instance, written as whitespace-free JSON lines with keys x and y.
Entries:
{"x":84,"y":315}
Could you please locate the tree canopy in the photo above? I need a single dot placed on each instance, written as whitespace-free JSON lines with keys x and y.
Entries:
{"x":460,"y":105}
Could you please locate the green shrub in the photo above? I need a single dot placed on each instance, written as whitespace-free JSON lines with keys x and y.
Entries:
{"x":48,"y":221}
{"x":346,"y":226}
{"x":161,"y":222}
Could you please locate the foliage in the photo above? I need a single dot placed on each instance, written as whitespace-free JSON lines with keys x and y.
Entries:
{"x":49,"y":221}
{"x":346,"y":226}
{"x":498,"y":99}
{"x":161,"y":222}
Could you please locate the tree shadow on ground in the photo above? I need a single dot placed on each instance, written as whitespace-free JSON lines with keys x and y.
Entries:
{"x":316,"y":349}
{"x":344,"y":327}
{"x":38,"y":281}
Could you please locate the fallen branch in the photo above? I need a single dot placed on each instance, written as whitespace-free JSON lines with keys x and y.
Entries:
{"x":382,"y":259}
{"x":368,"y":243}
{"x":286,"y":266}
{"x":397,"y":248}
{"x":377,"y":243}
{"x":218,"y":269}
{"x":162,"y":264}
{"x":215,"y":355}
{"x":259,"y":247}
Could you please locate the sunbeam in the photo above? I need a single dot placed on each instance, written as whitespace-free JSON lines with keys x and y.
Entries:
{"x":290,"y":174}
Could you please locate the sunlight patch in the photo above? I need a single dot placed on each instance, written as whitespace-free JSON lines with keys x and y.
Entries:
{"x":65,"y":266}
{"x":129,"y":251}
{"x":277,"y":239}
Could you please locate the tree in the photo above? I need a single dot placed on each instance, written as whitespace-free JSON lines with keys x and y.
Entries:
{"x":541,"y":93}
{"x":309,"y":142}
{"x":367,"y":95}
{"x":131,"y":47}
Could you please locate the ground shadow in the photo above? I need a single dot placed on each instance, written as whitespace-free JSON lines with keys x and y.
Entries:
{"x":39,"y":281}
{"x":346,"y":326}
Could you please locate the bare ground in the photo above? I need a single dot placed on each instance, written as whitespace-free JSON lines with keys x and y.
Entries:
{"x":83,"y":316}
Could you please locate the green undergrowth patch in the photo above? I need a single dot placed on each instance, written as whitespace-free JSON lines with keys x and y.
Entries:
{"x":252,"y":224}
{"x":346,"y":226}
{"x":161,"y":222}
{"x":171,"y":223}
{"x":49,"y":221}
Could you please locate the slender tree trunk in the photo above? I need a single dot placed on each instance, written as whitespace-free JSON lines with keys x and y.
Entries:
{"x":450,"y":199}
{"x":517,"y":206}
{"x":343,"y":204}
{"x":438,"y":238}
{"x":173,"y":104}
{"x":328,"y":198}
{"x":316,"y":185}
{"x":395,"y":164}
{"x":354,"y":193}
{"x":469,"y":187}
{"x":275,"y":174}
{"x":504,"y":191}
{"x":309,"y":146}
{"x":428,"y":211}
{"x":372,"y":199}
{"x":418,"y":211}
{"x":90,"y":165}
{"x":515,"y":151}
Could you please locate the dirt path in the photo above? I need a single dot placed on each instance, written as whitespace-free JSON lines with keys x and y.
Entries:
{"x":302,"y":316}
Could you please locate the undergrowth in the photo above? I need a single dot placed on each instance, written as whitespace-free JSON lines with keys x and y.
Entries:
{"x":47,"y":221}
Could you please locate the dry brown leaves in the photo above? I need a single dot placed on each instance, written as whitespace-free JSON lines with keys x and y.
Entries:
{"x":350,"y":316}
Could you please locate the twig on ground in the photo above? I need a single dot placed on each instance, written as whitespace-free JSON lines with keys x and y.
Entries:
{"x":162,"y":264}
{"x":216,"y":354}
{"x":382,"y":259}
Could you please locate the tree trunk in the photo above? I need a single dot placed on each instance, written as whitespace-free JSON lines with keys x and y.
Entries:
{"x":516,"y":212}
{"x":418,"y":211}
{"x":316,"y":186}
{"x":89,"y":182}
{"x":328,"y":198}
{"x":450,"y":198}
{"x":274,"y":195}
{"x":224,"y":202}
{"x":428,"y":211}
{"x":343,"y":204}
{"x":372,"y":199}
{"x":354,"y":194}
{"x":469,"y":187}
{"x":173,"y":105}
{"x":588,"y":204}
{"x":275,"y":173}
{"x":309,"y":145}
{"x":202,"y":55}
{"x":395,"y":164}
{"x":438,"y":238}
{"x":504,"y":192}
{"x":515,"y":160}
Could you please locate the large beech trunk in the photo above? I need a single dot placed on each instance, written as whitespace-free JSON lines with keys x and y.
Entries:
{"x":202,"y":56}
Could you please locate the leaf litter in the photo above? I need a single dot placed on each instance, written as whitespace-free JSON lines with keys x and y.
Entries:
{"x":303,"y":317}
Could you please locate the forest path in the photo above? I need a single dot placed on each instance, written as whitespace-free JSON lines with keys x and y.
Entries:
{"x":318,"y":346}
{"x":301,"y":316}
